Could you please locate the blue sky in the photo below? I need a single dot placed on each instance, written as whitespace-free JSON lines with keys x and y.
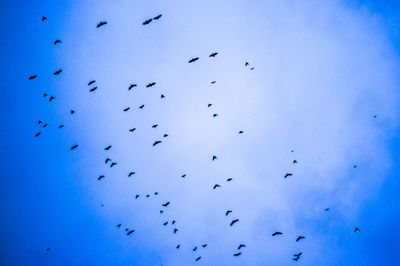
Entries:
{"x":322,"y":71}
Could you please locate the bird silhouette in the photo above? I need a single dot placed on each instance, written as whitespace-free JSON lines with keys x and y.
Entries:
{"x":237,"y":254}
{"x":107,"y":160}
{"x":214,"y":158}
{"x":213,"y":54}
{"x":209,"y":105}
{"x":112,"y":164}
{"x":101,"y":23}
{"x":147,"y":196}
{"x":132,"y":129}
{"x":147,"y":21}
{"x":156,"y":142}
{"x":44,"y":18}
{"x":108,"y":147}
{"x":204,"y":245}
{"x":241,"y":132}
{"x":297,"y":256}
{"x":173,"y":222}
{"x":150,"y":85}
{"x":193,"y":60}
{"x":154,"y":126}
{"x":215,"y":115}
{"x":141,"y":107}
{"x":57,"y":72}
{"x":277,"y":233}
{"x":166,"y":204}
{"x":299,"y":238}
{"x":158,"y":17}
{"x":252,"y":68}
{"x":91,"y":82}
{"x":356,"y":229}
{"x":178,"y":246}
{"x":162,"y":96}
{"x":130,"y":232}
{"x":74,"y":147}
{"x":287,"y":175}
{"x":294,"y":161}
{"x":195,"y":248}
{"x":183,"y":176}
{"x":61,"y":126}
{"x":93,"y":89}
{"x":155,"y":193}
{"x":175,"y":230}
{"x":72,"y":112}
{"x":137,"y":196}
{"x":45,"y":125}
{"x":165,"y":135}
{"x":32,"y":77}
{"x":213,"y":82}
{"x":44,"y":95}
{"x":48,"y":249}
{"x":216,"y":185}
{"x":131,"y":173}
{"x":118,"y":225}
{"x":355,"y":166}
{"x":229,"y":180}
{"x":51,"y":98}
{"x":100,"y":177}
{"x":37,"y":134}
{"x":228,"y":212}
{"x":327,"y":209}
{"x":165,"y":223}
{"x":127,"y":109}
{"x":241,"y":246}
{"x":131,"y":86}
{"x":198,"y":258}
{"x":57,"y":41}
{"x":39,"y":122}
{"x":234,"y":221}
{"x":246,"y":64}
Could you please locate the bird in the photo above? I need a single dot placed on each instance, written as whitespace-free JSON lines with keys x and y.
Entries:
{"x":294,"y":161}
{"x":51,"y":98}
{"x":162,"y":96}
{"x":195,"y":248}
{"x":241,"y":246}
{"x":228,"y":212}
{"x":44,"y":18}
{"x":39,"y":122}
{"x":44,"y":95}
{"x":91,"y":82}
{"x":37,"y":134}
{"x":147,"y":196}
{"x":214,"y":158}
{"x":193,"y":60}
{"x":155,"y":193}
{"x":288,"y":174}
{"x":48,"y":249}
{"x":299,"y":238}
{"x":131,"y":86}
{"x":45,"y":125}
{"x":132,"y":129}
{"x":356,"y":229}
{"x":127,"y":109}
{"x":154,"y":126}
{"x":156,"y":142}
{"x":74,"y":147}
{"x":355,"y":166}
{"x":150,"y":85}
{"x":72,"y":112}
{"x":112,"y":164}
{"x":215,"y":115}
{"x":277,"y":233}
{"x":198,"y":258}
{"x":252,"y":68}
{"x":173,"y":222}
{"x":161,"y":211}
{"x":32,"y":77}
{"x":93,"y":89}
{"x":183,"y":176}
{"x":204,"y":245}
{"x":57,"y":72}
{"x":178,"y":246}
{"x":108,"y":147}
{"x":57,"y":41}
{"x":137,"y":196}
{"x":147,"y":21}
{"x":130,"y":232}
{"x":213,"y":54}
{"x":165,"y":135}
{"x":297,"y":256}
{"x":246,"y":64}
{"x":165,"y":223}
{"x":209,"y":105}
{"x":100,"y":177}
{"x":118,"y":225}
{"x":61,"y":126}
{"x":374,"y":116}
{"x":107,"y":160}
{"x":158,"y":17}
{"x":241,"y":132}
{"x":175,"y":230}
{"x":166,"y":204}
{"x":327,"y":209}
{"x":141,"y":107}
{"x":216,"y":185}
{"x":229,"y":179}
{"x":234,"y":221}
{"x":131,"y":173}
{"x":101,"y":23}
{"x":237,"y":254}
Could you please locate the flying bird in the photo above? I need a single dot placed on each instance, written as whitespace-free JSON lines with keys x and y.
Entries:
{"x":72,"y":112}
{"x":216,"y":185}
{"x":215,"y":115}
{"x":127,"y":109}
{"x":57,"y":41}
{"x":57,"y":72}
{"x":204,"y":245}
{"x":156,"y":193}
{"x":299,"y":238}
{"x":100,"y":177}
{"x":237,"y":254}
{"x":287,"y":175}
{"x":173,"y":222}
{"x":165,"y":135}
{"x":246,"y":64}
{"x":229,"y":180}
{"x":241,"y":132}
{"x":101,"y":23}
{"x":241,"y":246}
{"x":193,"y":60}
{"x":356,"y":229}
{"x":162,"y":96}
{"x":175,"y":230}
{"x":178,"y":246}
{"x":166,"y":204}
{"x":39,"y":122}
{"x":156,"y":142}
{"x":158,"y":17}
{"x":32,"y":77}
{"x":165,"y":223}
{"x":213,"y":54}
{"x":198,"y":258}
{"x":61,"y":126}
{"x":131,"y":86}
{"x":183,"y":176}
{"x":108,"y":147}
{"x":150,"y":84}
{"x":74,"y":147}
{"x":131,"y":173}
{"x":118,"y":225}
{"x":214,"y":158}
{"x":132,"y":129}
{"x":130,"y":232}
{"x":112,"y":164}
{"x":51,"y":98}
{"x":37,"y":134}
{"x":92,"y":90}
{"x":91,"y":82}
{"x":209,"y":105}
{"x":297,"y":256}
{"x":294,"y":161}
{"x":48,"y":249}
{"x":154,"y":126}
{"x":141,"y":107}
{"x":327,"y":209}
{"x":234,"y":221}
{"x":44,"y":18}
{"x":147,"y":21}
{"x":277,"y":233}
{"x":45,"y":125}
{"x":228,"y":212}
{"x":212,"y":82}
{"x":137,"y":196}
{"x":195,"y":248}
{"x":107,"y":160}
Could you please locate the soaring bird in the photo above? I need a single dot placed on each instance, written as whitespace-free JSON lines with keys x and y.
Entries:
{"x":100,"y":177}
{"x":288,"y":174}
{"x":72,"y":112}
{"x":155,"y":193}
{"x":147,"y":196}
{"x":51,"y":98}
{"x":193,"y":60}
{"x":178,"y":246}
{"x":150,"y":84}
{"x":234,"y":221}
{"x":213,"y":54}
{"x":130,"y":232}
{"x":214,"y":158}
{"x":37,"y":134}
{"x":45,"y":125}
{"x":91,"y":82}
{"x":141,"y":107}
{"x":229,"y":179}
{"x":183,"y":176}
{"x":355,"y":166}
{"x":57,"y":72}
{"x":173,"y":222}
{"x":237,"y":254}
{"x":44,"y":18}
{"x":57,"y":41}
{"x":299,"y":238}
{"x":48,"y":249}
{"x":108,"y":160}
{"x":246,"y":64}
{"x":277,"y":233}
{"x":198,"y":258}
{"x":241,"y":246}
{"x":228,"y":212}
{"x":137,"y":196}
{"x":127,"y":109}
{"x":166,"y":204}
{"x":39,"y":122}
{"x":108,"y":147}
{"x":327,"y":209}
{"x":32,"y":77}
{"x":131,"y":173}
{"x":162,"y":96}
{"x":252,"y":68}
{"x":241,"y":132}
{"x":216,"y":185}
{"x":175,"y":230}
{"x":93,"y":89}
{"x":195,"y":248}
{"x":204,"y":245}
{"x":118,"y":225}
{"x":215,"y":115}
{"x":156,"y":142}
{"x":165,"y":135}
{"x":132,"y":129}
{"x":147,"y":21}
{"x":61,"y":126}
{"x":154,"y":126}
{"x":112,"y":164}
{"x":131,"y":86}
{"x":209,"y":105}
{"x":294,"y":161}
{"x":356,"y":229}
{"x":158,"y":17}
{"x":165,"y":223}
{"x":101,"y":23}
{"x":74,"y":147}
{"x":297,"y":256}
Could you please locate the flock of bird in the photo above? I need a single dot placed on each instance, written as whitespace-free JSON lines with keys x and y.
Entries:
{"x":164,"y":206}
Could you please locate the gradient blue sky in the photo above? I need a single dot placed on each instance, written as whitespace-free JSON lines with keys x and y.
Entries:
{"x":323,"y":69}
